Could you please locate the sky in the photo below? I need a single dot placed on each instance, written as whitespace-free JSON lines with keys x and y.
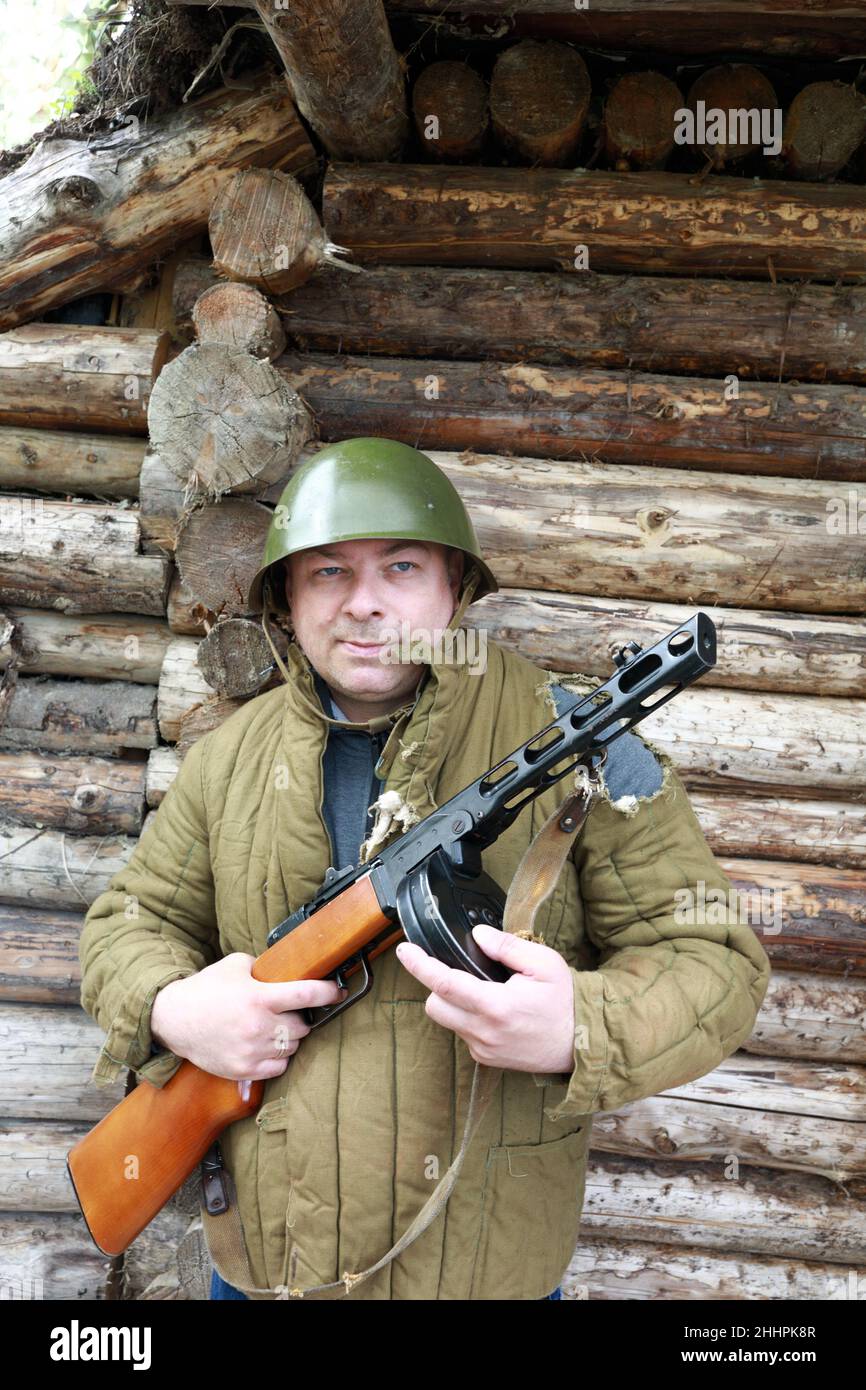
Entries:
{"x":41,"y":43}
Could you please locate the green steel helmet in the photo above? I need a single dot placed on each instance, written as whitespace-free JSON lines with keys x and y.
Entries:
{"x":365,"y":489}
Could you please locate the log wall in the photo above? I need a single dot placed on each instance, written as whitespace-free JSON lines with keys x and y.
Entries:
{"x":683,"y":426}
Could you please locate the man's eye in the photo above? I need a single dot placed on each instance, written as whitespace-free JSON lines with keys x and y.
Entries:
{"x":410,"y":563}
{"x":329,"y":569}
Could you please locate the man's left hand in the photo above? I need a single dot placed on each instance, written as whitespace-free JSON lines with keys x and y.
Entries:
{"x":525,"y":1024}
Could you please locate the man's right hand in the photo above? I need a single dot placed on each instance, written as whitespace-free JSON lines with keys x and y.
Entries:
{"x":229,"y":1024}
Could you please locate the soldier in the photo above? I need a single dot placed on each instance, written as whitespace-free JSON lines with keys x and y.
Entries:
{"x":621,"y":997}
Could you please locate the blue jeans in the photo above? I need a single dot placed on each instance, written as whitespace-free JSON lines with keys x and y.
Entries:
{"x":220,"y":1289}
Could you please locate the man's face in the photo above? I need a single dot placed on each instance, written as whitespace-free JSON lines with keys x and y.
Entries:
{"x":345,"y":599}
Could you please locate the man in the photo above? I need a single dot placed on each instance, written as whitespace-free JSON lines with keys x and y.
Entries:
{"x":619,"y":1000}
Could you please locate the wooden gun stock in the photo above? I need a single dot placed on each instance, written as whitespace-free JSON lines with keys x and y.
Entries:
{"x":127,"y":1167}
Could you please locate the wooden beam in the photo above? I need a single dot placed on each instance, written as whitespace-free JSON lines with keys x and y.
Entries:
{"x":345,"y":73}
{"x":65,"y":376}
{"x":557,"y":219}
{"x":640,"y":323}
{"x":791,"y":431}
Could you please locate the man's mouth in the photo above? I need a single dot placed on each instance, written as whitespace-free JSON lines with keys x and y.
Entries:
{"x":354,"y":646}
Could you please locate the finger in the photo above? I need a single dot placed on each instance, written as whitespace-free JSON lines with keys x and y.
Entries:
{"x":464,"y":1024}
{"x":300,"y":994}
{"x":525,"y":957}
{"x":456,"y":986}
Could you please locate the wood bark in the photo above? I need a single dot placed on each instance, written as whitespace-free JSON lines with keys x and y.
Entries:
{"x":109,"y":647}
{"x":731,"y":87}
{"x":756,"y":650}
{"x":760,"y":744}
{"x":221,"y":420}
{"x":83,"y":794}
{"x":449,"y":108}
{"x":65,"y":376}
{"x":264,"y":230}
{"x":41,"y":460}
{"x":82,"y":215}
{"x":539,"y":100}
{"x":239,"y":316}
{"x":659,"y":533}
{"x":540,"y":218}
{"x":39,"y":961}
{"x":811,"y":431}
{"x":77,"y":558}
{"x":824,"y":126}
{"x":604,"y":1269}
{"x":643,"y":323}
{"x":48,"y":868}
{"x":50,"y":1255}
{"x":345,"y":73}
{"x":193,"y":276}
{"x":779,"y":827}
{"x":639,"y":119}
{"x":795,"y":1215}
{"x":821,"y":916}
{"x":797,"y":1087}
{"x":807,"y":1016}
{"x":83,"y":716}
{"x":688,"y":1132}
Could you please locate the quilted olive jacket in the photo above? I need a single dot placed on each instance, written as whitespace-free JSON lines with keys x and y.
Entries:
{"x":351,"y":1139}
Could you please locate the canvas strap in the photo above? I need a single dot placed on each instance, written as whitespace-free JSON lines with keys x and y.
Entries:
{"x":534,"y":881}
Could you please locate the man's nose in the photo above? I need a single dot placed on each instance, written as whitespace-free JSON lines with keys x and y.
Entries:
{"x":363,"y":599}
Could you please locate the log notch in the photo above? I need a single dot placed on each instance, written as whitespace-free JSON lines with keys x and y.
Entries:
{"x":63,"y":376}
{"x":405,"y":214}
{"x":77,"y":558}
{"x":449,"y":108}
{"x":82,"y":215}
{"x":825,"y":125}
{"x":68,"y":716}
{"x":756,"y":650}
{"x":264,"y":230}
{"x":539,"y":100}
{"x":234,"y":658}
{"x":70,"y":464}
{"x":196,"y":410}
{"x":639,"y":120}
{"x":794,"y":431}
{"x":162,"y":505}
{"x":186,"y":616}
{"x":108,"y":647}
{"x":219,"y":551}
{"x":730,"y":87}
{"x":240,"y":317}
{"x":346,"y":76}
{"x":643,"y":323}
{"x":95,"y":796}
